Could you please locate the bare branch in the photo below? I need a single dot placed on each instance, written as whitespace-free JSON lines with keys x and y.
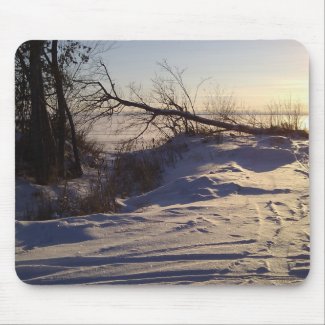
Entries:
{"x":172,"y":110}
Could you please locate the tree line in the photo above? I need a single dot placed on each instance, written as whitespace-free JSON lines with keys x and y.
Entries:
{"x":44,"y":120}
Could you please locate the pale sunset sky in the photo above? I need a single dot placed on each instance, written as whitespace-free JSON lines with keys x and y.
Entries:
{"x":256,"y":72}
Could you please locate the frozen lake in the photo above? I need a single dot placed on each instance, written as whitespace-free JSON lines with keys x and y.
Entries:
{"x":110,"y":133}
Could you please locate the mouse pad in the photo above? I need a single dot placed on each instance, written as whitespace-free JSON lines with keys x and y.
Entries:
{"x":162,"y":162}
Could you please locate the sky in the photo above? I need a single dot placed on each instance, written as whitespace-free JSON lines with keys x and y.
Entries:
{"x":256,"y":72}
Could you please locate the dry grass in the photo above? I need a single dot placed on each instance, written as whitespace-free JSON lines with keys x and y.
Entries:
{"x":138,"y":171}
{"x":286,"y":114}
{"x":98,"y":197}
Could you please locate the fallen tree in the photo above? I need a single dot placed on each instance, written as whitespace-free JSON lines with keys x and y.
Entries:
{"x":109,"y":102}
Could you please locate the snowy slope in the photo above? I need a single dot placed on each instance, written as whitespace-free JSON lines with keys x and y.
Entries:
{"x":235,"y":212}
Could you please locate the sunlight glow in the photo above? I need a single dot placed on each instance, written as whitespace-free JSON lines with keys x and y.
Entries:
{"x":256,"y":72}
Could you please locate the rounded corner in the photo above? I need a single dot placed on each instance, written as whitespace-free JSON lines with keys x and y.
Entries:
{"x":302,"y":275}
{"x":21,"y":45}
{"x":306,"y":276}
{"x":302,"y":46}
{"x":20,"y":278}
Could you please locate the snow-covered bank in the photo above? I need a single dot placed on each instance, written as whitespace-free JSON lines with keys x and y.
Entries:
{"x":235,"y":212}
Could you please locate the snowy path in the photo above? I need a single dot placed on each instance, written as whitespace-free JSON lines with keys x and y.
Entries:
{"x":233,"y":213}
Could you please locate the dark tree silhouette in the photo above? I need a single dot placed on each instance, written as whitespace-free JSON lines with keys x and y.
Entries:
{"x":42,"y":140}
{"x":63,"y":109}
{"x":44,"y":121}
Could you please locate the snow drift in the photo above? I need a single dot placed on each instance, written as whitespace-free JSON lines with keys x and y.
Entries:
{"x":235,"y":212}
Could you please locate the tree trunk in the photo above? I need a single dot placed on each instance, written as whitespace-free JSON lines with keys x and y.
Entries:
{"x":61,"y":108}
{"x":203,"y":120}
{"x":78,"y":169}
{"x":42,"y":141}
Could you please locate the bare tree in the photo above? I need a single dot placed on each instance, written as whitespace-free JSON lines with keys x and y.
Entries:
{"x":63,"y":109}
{"x":170,"y":92}
{"x":222,"y":105}
{"x":44,"y":73}
{"x":42,"y":140}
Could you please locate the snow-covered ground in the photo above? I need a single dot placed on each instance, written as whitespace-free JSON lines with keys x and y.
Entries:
{"x":234,"y":213}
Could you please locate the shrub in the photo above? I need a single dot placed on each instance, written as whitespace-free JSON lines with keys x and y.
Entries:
{"x":140,"y":170}
{"x":98,"y":197}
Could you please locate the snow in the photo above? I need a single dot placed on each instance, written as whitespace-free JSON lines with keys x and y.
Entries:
{"x":230,"y":213}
